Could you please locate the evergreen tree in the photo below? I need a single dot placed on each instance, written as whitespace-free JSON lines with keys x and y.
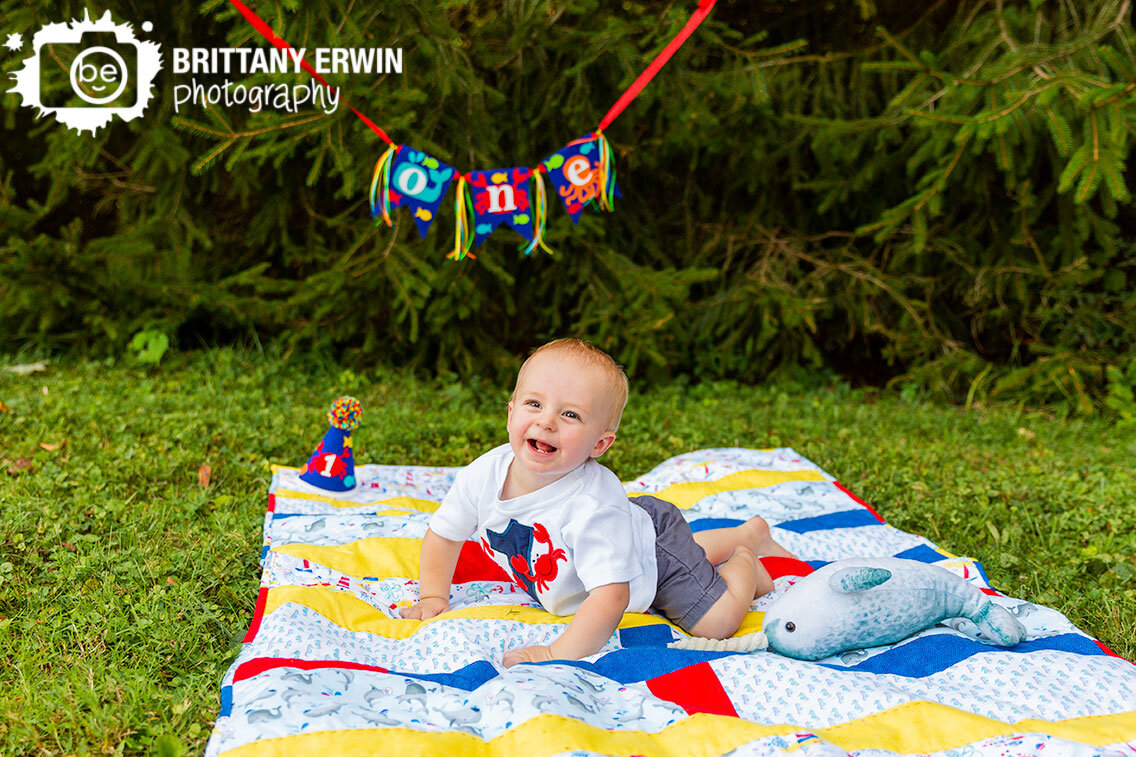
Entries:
{"x":934,"y":193}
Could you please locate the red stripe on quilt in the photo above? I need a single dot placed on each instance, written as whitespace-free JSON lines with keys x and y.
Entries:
{"x":872,"y":510}
{"x":257,"y":614}
{"x":271,"y":503}
{"x":785,"y":566}
{"x":695,"y":688}
{"x":258,"y":665}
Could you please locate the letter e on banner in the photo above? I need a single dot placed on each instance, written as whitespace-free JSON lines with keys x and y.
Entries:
{"x":575,"y":173}
{"x":578,"y":170}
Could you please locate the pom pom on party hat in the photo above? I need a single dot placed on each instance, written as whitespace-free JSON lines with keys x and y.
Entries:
{"x":332,"y":466}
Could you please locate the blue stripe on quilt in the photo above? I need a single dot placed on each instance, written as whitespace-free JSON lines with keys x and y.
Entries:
{"x":467,"y":678}
{"x":642,"y":663}
{"x":916,"y":659}
{"x":226,"y":701}
{"x":933,"y":654}
{"x":922,"y":553}
{"x":623,"y":665}
{"x":705,"y":524}
{"x":843,"y":519}
{"x":646,"y":636}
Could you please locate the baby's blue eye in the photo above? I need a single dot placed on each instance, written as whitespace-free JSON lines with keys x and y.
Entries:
{"x":571,"y":414}
{"x":532,"y":403}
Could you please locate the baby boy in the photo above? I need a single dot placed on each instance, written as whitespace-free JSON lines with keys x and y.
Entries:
{"x":562,"y":525}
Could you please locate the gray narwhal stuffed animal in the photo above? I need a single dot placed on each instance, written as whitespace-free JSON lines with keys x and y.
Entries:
{"x":866,"y":602}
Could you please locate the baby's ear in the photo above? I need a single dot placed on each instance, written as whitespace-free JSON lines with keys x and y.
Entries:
{"x":603,"y":444}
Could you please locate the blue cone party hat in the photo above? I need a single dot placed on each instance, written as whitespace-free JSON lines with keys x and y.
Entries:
{"x":332,"y":466}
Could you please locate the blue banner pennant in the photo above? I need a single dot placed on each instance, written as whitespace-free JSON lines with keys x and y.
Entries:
{"x":419,"y":182}
{"x":575,"y":173}
{"x":501,"y":195}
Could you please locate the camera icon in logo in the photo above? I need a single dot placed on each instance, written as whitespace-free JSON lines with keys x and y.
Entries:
{"x":87,"y":72}
{"x":100,"y":72}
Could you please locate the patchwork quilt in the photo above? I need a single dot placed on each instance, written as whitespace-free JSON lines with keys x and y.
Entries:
{"x":329,"y":667}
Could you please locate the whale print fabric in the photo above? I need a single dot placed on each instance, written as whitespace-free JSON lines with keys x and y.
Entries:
{"x":329,"y":667}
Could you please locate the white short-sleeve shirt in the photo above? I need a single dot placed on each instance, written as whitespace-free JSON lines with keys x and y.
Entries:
{"x":560,"y":541}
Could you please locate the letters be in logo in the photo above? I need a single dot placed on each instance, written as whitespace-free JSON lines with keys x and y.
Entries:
{"x":99,"y":74}
{"x":90,"y":72}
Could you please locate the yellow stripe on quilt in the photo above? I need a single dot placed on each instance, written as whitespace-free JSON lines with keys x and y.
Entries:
{"x":376,"y":557}
{"x":933,"y":727}
{"x":689,"y":493}
{"x":912,"y":727}
{"x":403,"y":503}
{"x":382,"y":557}
{"x":354,"y":614}
{"x":751,"y":623}
{"x":684,"y":495}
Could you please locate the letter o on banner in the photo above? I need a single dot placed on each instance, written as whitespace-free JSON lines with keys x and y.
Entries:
{"x":411,"y":179}
{"x":578,"y":170}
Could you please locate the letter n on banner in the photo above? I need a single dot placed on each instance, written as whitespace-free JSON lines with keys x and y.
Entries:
{"x":501,"y":195}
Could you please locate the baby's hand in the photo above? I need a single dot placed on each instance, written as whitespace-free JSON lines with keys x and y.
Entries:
{"x":425,"y":608}
{"x":527,"y":654}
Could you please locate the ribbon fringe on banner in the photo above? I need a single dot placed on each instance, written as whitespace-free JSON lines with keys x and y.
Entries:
{"x":463,"y":212}
{"x":380,"y":186}
{"x":582,"y":172}
{"x":540,"y":211}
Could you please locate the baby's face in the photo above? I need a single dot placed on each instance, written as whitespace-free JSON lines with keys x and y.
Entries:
{"x":559,"y":415}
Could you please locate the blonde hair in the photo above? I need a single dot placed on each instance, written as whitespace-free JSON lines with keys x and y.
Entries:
{"x":589,"y":356}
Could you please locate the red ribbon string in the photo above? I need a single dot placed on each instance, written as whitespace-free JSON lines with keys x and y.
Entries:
{"x":266,"y":32}
{"x":704,"y":7}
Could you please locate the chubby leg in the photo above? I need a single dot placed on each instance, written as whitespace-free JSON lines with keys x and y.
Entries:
{"x":720,"y":543}
{"x":746,"y":580}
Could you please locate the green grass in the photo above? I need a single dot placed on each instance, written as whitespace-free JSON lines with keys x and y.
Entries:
{"x":125,"y":586}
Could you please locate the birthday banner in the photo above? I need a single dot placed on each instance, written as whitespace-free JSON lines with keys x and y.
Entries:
{"x":582,"y":173}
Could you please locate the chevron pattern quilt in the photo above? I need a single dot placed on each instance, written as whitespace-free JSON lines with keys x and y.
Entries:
{"x":329,"y":667}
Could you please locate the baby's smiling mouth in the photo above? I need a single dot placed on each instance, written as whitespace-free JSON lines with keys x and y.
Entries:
{"x":540,"y":448}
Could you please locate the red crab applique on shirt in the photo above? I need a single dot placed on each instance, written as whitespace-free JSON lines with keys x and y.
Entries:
{"x":544,"y":569}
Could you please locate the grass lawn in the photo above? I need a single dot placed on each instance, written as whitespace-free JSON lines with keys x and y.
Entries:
{"x":128,"y":577}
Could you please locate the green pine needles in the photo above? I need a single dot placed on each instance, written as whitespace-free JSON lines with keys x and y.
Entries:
{"x":934,"y":196}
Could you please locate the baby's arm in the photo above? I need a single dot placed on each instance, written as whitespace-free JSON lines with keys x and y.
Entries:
{"x":593,"y":625}
{"x":435,"y":573}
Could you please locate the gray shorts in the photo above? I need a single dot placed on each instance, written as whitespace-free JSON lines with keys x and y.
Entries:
{"x":688,"y":584}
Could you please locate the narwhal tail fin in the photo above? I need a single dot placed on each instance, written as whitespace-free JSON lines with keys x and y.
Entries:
{"x":996,"y":625}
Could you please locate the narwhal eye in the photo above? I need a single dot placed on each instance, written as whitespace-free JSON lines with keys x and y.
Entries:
{"x":790,"y":626}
